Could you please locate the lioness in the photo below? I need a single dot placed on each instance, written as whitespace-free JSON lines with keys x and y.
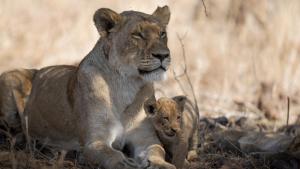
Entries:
{"x":176,"y":126}
{"x":73,"y":107}
{"x":15,"y":87}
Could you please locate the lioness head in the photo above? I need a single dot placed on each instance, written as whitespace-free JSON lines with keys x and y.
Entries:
{"x":165,"y":114}
{"x":135,"y":42}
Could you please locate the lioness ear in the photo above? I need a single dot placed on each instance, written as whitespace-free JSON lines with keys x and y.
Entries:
{"x":162,"y":14}
{"x":105,"y":19}
{"x":180,"y":100}
{"x":150,"y":106}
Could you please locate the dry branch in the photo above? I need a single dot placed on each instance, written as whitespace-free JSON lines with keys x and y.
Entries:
{"x":185,"y":74}
{"x":203,"y":3}
{"x":288,"y":111}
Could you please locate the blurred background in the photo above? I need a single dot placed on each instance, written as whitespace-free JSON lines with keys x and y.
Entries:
{"x":242,"y":57}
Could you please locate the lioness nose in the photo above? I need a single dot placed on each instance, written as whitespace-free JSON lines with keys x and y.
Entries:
{"x":162,"y":55}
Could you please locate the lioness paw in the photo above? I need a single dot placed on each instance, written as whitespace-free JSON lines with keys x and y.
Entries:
{"x":127,"y":164}
{"x":160,"y":165}
{"x":123,"y":162}
{"x":170,"y":166}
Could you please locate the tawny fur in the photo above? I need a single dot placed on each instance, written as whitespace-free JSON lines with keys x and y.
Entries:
{"x":15,"y":87}
{"x":175,"y":123}
{"x":84,"y":107}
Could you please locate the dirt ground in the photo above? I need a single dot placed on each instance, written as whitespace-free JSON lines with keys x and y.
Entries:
{"x":225,"y":143}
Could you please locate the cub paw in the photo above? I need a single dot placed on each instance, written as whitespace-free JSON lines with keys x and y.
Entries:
{"x":192,"y":155}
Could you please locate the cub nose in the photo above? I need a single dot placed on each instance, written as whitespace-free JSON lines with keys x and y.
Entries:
{"x":173,"y":130}
{"x":161,"y":55}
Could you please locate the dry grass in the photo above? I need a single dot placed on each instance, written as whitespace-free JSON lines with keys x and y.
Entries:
{"x":243,"y":58}
{"x":231,"y":53}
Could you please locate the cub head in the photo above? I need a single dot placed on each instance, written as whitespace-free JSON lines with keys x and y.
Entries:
{"x":166,"y":114}
{"x":135,"y":43}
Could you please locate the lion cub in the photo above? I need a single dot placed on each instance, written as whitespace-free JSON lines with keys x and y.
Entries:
{"x":176,"y":124}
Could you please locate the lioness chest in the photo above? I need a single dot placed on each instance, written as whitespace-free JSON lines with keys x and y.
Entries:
{"x":127,"y":90}
{"x":116,"y":90}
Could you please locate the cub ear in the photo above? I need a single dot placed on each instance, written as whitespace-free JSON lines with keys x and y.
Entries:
{"x":180,"y":100}
{"x":162,"y":14}
{"x":150,"y":106}
{"x":105,"y":19}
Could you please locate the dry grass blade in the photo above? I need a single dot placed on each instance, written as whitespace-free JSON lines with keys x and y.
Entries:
{"x":288,"y":111}
{"x":238,"y":149}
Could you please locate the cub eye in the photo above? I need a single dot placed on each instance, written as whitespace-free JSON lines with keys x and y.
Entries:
{"x":163,"y":35}
{"x":138,"y":35}
{"x":166,"y":118}
{"x":178,"y":117}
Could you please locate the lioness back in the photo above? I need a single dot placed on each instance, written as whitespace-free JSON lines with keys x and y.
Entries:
{"x":52,"y":86}
{"x":15,"y":87}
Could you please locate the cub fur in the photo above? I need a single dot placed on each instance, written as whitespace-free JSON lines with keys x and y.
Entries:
{"x":139,"y":126}
{"x":176,"y":124}
{"x":83,"y":107}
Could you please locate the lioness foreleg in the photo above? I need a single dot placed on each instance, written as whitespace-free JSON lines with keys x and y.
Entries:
{"x":98,"y":147}
{"x":98,"y":131}
{"x":106,"y":156}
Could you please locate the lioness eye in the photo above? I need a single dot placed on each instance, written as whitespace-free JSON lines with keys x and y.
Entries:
{"x":163,"y":35}
{"x":178,"y":117}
